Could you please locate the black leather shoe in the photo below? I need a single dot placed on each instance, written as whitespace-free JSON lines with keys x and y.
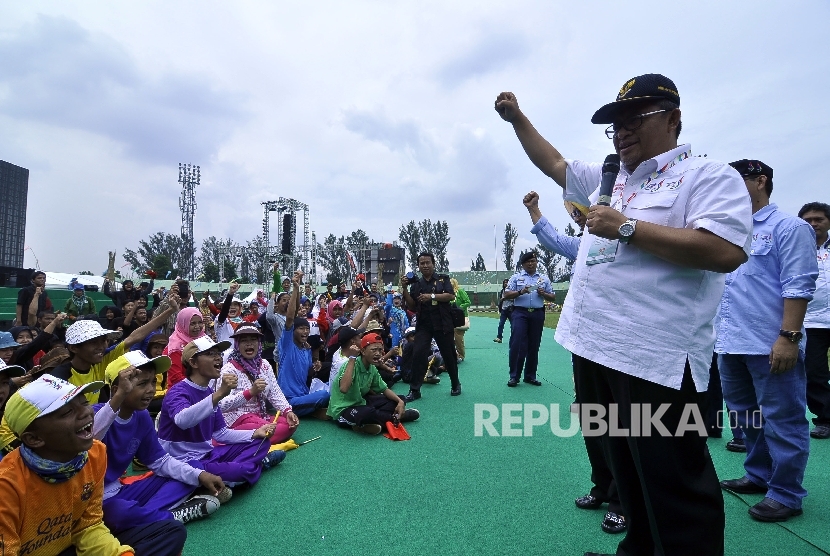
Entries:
{"x":533,"y":381}
{"x":770,"y":510}
{"x":456,"y":391}
{"x":512,"y":383}
{"x":412,"y":396}
{"x":736,"y":445}
{"x":821,"y":432}
{"x":588,"y":502}
{"x":742,"y":486}
{"x":613,"y":523}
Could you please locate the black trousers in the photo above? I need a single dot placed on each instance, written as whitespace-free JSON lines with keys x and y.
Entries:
{"x":668,"y":487}
{"x":605,"y":488}
{"x":714,"y":402}
{"x":161,"y":538}
{"x":421,"y":351}
{"x":378,"y":410}
{"x":818,"y":374}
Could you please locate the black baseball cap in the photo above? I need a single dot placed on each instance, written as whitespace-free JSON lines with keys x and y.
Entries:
{"x":651,"y":86}
{"x":524,"y":257}
{"x":746,"y":167}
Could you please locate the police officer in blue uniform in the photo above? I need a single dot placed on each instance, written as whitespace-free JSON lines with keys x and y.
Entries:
{"x":529,"y":291}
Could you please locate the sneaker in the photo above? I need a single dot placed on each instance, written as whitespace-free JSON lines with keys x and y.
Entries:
{"x":273,"y":459}
{"x":410,"y":415}
{"x":371,"y":428}
{"x":432,"y":379}
{"x":198,"y":507}
{"x":497,"y":340}
{"x":224,"y":496}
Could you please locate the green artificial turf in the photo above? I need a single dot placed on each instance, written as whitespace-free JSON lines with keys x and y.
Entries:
{"x":447,"y":491}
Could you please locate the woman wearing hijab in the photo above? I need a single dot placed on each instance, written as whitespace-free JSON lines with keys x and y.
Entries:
{"x":334,"y":311}
{"x":189,"y":326}
{"x":245,"y":408}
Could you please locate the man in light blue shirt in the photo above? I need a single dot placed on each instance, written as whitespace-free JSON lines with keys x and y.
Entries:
{"x":529,"y":291}
{"x":760,"y":348}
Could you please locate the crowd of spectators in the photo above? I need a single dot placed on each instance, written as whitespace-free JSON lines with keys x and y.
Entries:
{"x":187,"y":390}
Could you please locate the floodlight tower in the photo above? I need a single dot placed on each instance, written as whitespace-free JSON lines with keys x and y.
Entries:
{"x":189,"y":177}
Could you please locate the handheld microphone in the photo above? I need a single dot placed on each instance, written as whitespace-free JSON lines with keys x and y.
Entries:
{"x":610,"y":169}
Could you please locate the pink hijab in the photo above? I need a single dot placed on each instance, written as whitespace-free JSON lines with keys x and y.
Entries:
{"x":181,"y":335}
{"x":332,"y":304}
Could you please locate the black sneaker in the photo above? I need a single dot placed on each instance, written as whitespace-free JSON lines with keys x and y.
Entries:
{"x":432,"y":379}
{"x":410,"y":415}
{"x":198,"y":507}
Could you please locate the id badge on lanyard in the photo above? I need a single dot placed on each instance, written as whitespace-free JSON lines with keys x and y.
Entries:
{"x":604,"y":250}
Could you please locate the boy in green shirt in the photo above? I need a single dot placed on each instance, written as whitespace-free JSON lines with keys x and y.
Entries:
{"x":360,"y":399}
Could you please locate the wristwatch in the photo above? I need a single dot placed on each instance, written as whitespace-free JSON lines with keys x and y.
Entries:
{"x":627,"y":230}
{"x":432,"y":296}
{"x":794,"y":337}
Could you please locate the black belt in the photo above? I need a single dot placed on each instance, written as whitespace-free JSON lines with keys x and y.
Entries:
{"x":530,"y":309}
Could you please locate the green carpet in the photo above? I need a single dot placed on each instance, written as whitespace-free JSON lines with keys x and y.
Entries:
{"x":447,"y":491}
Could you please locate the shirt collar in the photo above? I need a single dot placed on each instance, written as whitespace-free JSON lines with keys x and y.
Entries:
{"x":765,"y":212}
{"x":653,"y":164}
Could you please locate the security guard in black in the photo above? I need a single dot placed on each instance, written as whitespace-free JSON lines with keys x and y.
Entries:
{"x":430,"y":299}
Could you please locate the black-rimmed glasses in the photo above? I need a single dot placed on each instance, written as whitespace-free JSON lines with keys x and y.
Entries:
{"x":633,"y":123}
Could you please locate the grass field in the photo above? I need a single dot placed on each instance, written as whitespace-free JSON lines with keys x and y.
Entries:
{"x":449,"y":491}
{"x":551,"y":319}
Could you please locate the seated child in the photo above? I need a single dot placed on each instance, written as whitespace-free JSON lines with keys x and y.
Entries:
{"x":359,"y":397}
{"x":295,"y":365}
{"x":152,"y":346}
{"x":245,"y":408}
{"x":190,"y":420}
{"x":52,"y":485}
{"x":124,"y":425}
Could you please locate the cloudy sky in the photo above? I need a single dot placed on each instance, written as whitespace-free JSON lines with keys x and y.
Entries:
{"x":375,"y":113}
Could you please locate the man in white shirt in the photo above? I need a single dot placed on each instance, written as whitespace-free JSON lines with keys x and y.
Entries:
{"x":638,"y":317}
{"x":817,"y":323}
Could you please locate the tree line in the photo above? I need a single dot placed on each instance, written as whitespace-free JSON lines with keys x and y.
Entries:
{"x":225,"y":258}
{"x":556,"y":267}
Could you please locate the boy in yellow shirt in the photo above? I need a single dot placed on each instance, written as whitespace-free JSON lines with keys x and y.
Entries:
{"x":52,"y":485}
